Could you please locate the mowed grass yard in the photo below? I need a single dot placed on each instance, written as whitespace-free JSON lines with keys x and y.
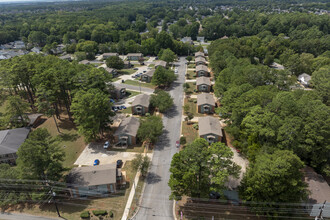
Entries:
{"x":71,"y":209}
{"x":137,"y":83}
{"x":192,"y":107}
{"x":189,"y":132}
{"x":69,"y":140}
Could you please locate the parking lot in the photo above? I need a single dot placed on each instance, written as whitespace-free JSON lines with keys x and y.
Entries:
{"x":95,"y":151}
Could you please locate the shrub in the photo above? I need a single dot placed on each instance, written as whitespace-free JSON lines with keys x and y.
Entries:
{"x":194,"y":83}
{"x":99,"y":212}
{"x":195,"y":90}
{"x":190,"y":115}
{"x":111,"y":214}
{"x":84,"y":214}
{"x":195,"y":101}
{"x":147,"y":114}
{"x":195,"y":126}
{"x":183,"y":140}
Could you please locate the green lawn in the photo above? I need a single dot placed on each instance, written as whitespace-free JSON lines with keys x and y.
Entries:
{"x":191,"y":89}
{"x":69,"y":139}
{"x":191,"y":74}
{"x":189,"y":132}
{"x":192,"y":65}
{"x":127,"y":110}
{"x":193,"y":107}
{"x":136,"y":83}
{"x":131,"y":93}
{"x":126,"y":71}
{"x":151,"y":65}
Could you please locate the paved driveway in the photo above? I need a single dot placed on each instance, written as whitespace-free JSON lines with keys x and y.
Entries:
{"x":155,"y":199}
{"x":95,"y":151}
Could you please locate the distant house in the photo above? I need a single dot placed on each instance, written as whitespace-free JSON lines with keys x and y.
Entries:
{"x":112,"y":71}
{"x":127,"y":65}
{"x":66,"y":57}
{"x":85,"y":62}
{"x":19,"y":44}
{"x":304,"y":79}
{"x":126,"y":133}
{"x":200,"y":61}
{"x":205,"y":103}
{"x":203,"y":84}
{"x":202,"y":70}
{"x":135,"y":56}
{"x":146,"y":77}
{"x":101,"y":180}
{"x":34,"y":119}
{"x":10,"y":141}
{"x":187,"y":40}
{"x":107,"y":55}
{"x":160,"y":63}
{"x":36,"y":50}
{"x":201,"y":39}
{"x":209,"y":128}
{"x":199,"y":54}
{"x":140,"y":105}
{"x":118,"y":93}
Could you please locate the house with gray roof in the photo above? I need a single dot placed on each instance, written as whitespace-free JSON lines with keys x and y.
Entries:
{"x":118,"y":92}
{"x":10,"y":141}
{"x":85,"y":62}
{"x":199,"y":54}
{"x":203,"y":84}
{"x":140,"y":105}
{"x":205,"y":103}
{"x":66,"y":57}
{"x":107,"y":55}
{"x":112,"y":71}
{"x":126,"y":133}
{"x":304,"y":79}
{"x":147,"y":76}
{"x":101,"y":180}
{"x":160,"y":63}
{"x":135,"y":56}
{"x":202,"y":70}
{"x":210,"y":129}
{"x":200,"y":61}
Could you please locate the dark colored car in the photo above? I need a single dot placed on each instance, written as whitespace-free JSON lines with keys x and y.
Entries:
{"x":114,"y":108}
{"x":96,"y":162}
{"x":214,"y":195}
{"x":118,"y":108}
{"x":112,"y":101}
{"x":135,"y":68}
{"x":123,"y":107}
{"x":119,"y":163}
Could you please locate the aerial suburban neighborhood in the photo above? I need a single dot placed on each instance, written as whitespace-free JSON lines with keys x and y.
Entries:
{"x":158,"y":109}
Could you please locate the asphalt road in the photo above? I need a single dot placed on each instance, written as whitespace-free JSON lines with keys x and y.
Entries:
{"x":17,"y":216}
{"x":155,"y":200}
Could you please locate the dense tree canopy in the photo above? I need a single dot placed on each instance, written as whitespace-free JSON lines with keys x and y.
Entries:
{"x":161,"y":100}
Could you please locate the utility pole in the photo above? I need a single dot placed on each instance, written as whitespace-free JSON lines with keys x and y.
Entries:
{"x":53,"y":194}
{"x":320,"y":217}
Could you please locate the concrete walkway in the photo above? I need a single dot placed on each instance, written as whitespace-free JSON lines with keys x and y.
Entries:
{"x":190,"y":80}
{"x":130,"y":197}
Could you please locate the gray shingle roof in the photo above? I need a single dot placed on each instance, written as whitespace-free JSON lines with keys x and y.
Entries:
{"x":201,"y":67}
{"x":203,"y":80}
{"x":142,"y":100}
{"x":128,"y":126}
{"x":134,"y":55}
{"x":93,"y":176}
{"x":205,"y":98}
{"x":11,"y":140}
{"x":199,"y":54}
{"x":200,"y":59}
{"x":209,"y":125}
{"x":160,"y":63}
{"x":110,"y":54}
{"x":149,"y":73}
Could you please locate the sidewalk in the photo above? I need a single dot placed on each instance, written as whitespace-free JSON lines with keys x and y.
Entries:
{"x":131,"y":197}
{"x":19,"y":216}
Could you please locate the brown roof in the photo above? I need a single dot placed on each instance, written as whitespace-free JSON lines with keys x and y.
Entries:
{"x":128,"y":126}
{"x":205,"y":98}
{"x":160,"y":63}
{"x":203,"y":80}
{"x":209,"y":125}
{"x":199,"y":54}
{"x":134,"y":54}
{"x":319,"y":188}
{"x":200,"y":59}
{"x":201,"y":67}
{"x":142,"y":100}
{"x":93,"y":176}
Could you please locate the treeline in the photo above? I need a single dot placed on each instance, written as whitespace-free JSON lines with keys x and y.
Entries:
{"x":263,"y":113}
{"x":49,"y":84}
